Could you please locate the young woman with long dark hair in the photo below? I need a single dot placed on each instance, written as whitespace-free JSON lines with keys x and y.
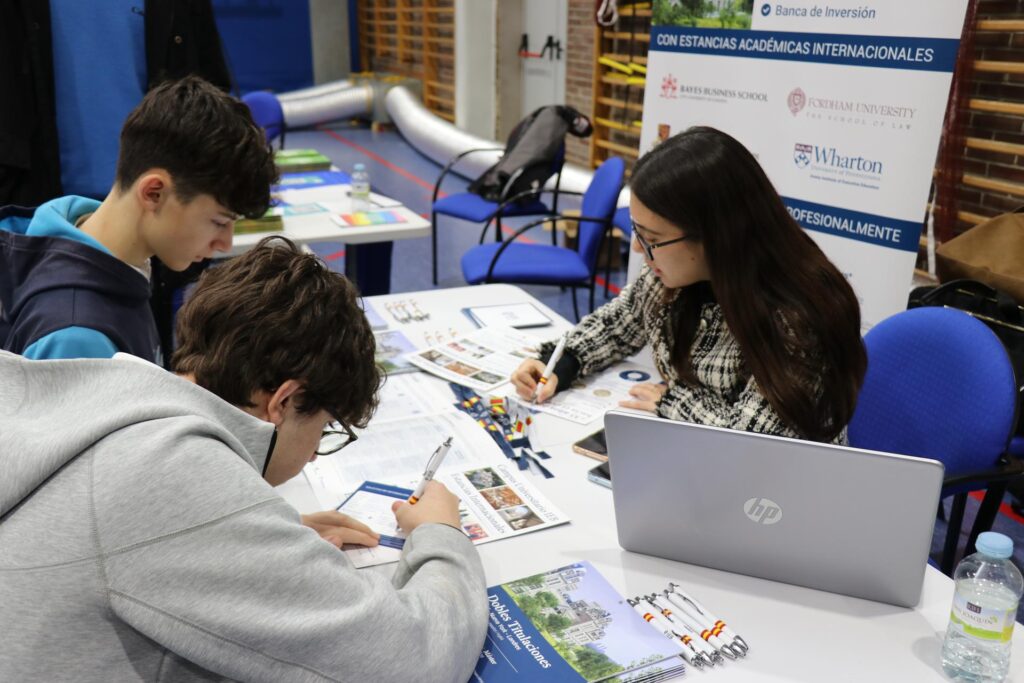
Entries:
{"x":750,"y":325}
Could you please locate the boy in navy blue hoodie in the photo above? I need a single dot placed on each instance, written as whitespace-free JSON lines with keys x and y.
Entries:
{"x":74,"y":274}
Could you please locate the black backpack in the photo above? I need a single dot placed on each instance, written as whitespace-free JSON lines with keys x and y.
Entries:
{"x":534,"y":152}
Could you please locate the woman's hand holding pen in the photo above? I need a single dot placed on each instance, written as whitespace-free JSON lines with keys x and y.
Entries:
{"x":525,"y":379}
{"x":436,"y":505}
{"x":339,"y":529}
{"x":647,"y":397}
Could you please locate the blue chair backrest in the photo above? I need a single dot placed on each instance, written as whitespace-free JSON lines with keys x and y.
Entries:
{"x":939,"y":385}
{"x":599,"y":202}
{"x":266,"y":112}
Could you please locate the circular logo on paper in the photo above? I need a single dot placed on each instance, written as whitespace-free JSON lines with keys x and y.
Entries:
{"x":634,"y":375}
{"x":797,"y":100}
{"x":766,"y":9}
{"x":762,"y":511}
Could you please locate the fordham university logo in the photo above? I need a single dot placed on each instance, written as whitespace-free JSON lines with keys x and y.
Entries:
{"x":669,"y":86}
{"x":762,"y":511}
{"x":797,"y":100}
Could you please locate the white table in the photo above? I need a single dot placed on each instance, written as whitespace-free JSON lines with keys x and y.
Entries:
{"x":795,"y":634}
{"x":318,"y":227}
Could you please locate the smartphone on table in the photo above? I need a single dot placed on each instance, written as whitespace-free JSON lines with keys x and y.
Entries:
{"x":592,"y":446}
{"x":601,"y":475}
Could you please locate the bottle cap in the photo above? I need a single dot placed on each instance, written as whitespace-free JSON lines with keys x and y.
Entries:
{"x":359,"y":167}
{"x":994,"y":544}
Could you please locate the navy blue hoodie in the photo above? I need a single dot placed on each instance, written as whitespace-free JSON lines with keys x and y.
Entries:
{"x":63,"y":295}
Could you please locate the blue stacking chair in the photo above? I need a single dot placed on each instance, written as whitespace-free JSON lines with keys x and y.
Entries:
{"x":512,"y":261}
{"x":940,"y":385}
{"x":472,"y":207}
{"x":267,"y":113}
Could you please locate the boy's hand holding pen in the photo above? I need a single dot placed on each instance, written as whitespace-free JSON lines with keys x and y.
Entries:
{"x":431,"y":502}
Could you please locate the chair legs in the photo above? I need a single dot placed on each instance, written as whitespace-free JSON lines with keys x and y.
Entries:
{"x":433,"y":244}
{"x":986,"y":514}
{"x":575,"y":306}
{"x":956,"y":520}
{"x":592,"y":287}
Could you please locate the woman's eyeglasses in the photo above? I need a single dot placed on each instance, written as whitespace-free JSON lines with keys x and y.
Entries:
{"x":334,"y":439}
{"x":648,"y":247}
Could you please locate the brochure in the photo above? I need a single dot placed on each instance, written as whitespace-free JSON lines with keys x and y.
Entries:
{"x":570,"y":625}
{"x":481,"y":360}
{"x":358,"y":219}
{"x":589,"y":398}
{"x":518,"y":316}
{"x":496,"y":504}
{"x":394,"y":451}
{"x":375,"y":319}
{"x":392,"y":347}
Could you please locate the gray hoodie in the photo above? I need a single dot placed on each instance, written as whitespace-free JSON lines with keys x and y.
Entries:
{"x":139,"y":542}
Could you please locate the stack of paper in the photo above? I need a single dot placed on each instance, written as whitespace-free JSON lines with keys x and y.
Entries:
{"x":481,"y":360}
{"x":300,"y":161}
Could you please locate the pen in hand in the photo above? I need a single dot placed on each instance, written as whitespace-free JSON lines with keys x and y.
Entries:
{"x":556,"y":355}
{"x":432,"y":466}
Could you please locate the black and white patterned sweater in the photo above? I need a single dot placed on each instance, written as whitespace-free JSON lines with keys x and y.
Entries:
{"x":727,"y":396}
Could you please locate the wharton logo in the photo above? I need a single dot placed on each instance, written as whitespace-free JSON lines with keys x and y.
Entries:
{"x":796,"y":101}
{"x":802,"y":155}
{"x":669,"y":86}
{"x":828,"y":158}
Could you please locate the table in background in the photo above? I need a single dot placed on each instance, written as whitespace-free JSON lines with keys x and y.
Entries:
{"x":367,"y":258}
{"x":795,"y":634}
{"x":368,"y":248}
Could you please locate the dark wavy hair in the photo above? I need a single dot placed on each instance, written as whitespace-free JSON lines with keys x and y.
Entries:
{"x":794,"y":315}
{"x":205,"y":139}
{"x":275,"y":314}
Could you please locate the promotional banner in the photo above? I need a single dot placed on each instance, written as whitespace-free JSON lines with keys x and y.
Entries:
{"x":841,"y":102}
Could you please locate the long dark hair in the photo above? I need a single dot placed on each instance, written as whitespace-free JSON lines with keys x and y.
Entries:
{"x":794,"y":315}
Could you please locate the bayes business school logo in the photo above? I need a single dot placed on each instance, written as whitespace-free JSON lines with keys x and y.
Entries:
{"x":837,"y":109}
{"x":834,"y":165}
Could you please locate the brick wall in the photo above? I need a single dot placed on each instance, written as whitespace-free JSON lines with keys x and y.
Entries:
{"x":579,"y":72}
{"x":975,"y":203}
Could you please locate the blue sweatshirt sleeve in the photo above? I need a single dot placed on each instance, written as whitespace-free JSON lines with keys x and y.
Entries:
{"x":71,"y":342}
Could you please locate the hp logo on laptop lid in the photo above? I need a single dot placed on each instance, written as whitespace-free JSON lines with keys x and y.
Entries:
{"x":762,"y":511}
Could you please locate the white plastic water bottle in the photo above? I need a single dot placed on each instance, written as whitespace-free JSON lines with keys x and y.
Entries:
{"x":988,"y":588}
{"x":360,"y":191}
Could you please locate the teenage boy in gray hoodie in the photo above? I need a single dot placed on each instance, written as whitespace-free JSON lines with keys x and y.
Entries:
{"x":140,"y":541}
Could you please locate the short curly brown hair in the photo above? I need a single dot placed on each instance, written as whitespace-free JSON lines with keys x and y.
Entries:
{"x":275,"y":314}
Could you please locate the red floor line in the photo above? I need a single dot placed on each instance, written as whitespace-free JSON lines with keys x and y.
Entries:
{"x":382,"y":161}
{"x":1004,"y":508}
{"x":422,"y":183}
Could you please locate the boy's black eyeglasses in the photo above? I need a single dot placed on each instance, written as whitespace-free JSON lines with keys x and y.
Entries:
{"x":334,"y":439}
{"x":648,"y":247}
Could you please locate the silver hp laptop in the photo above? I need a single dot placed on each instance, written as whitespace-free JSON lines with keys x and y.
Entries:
{"x":837,"y":519}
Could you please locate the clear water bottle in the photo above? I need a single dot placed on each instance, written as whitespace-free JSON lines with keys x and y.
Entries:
{"x":360,"y":188}
{"x":988,"y":588}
